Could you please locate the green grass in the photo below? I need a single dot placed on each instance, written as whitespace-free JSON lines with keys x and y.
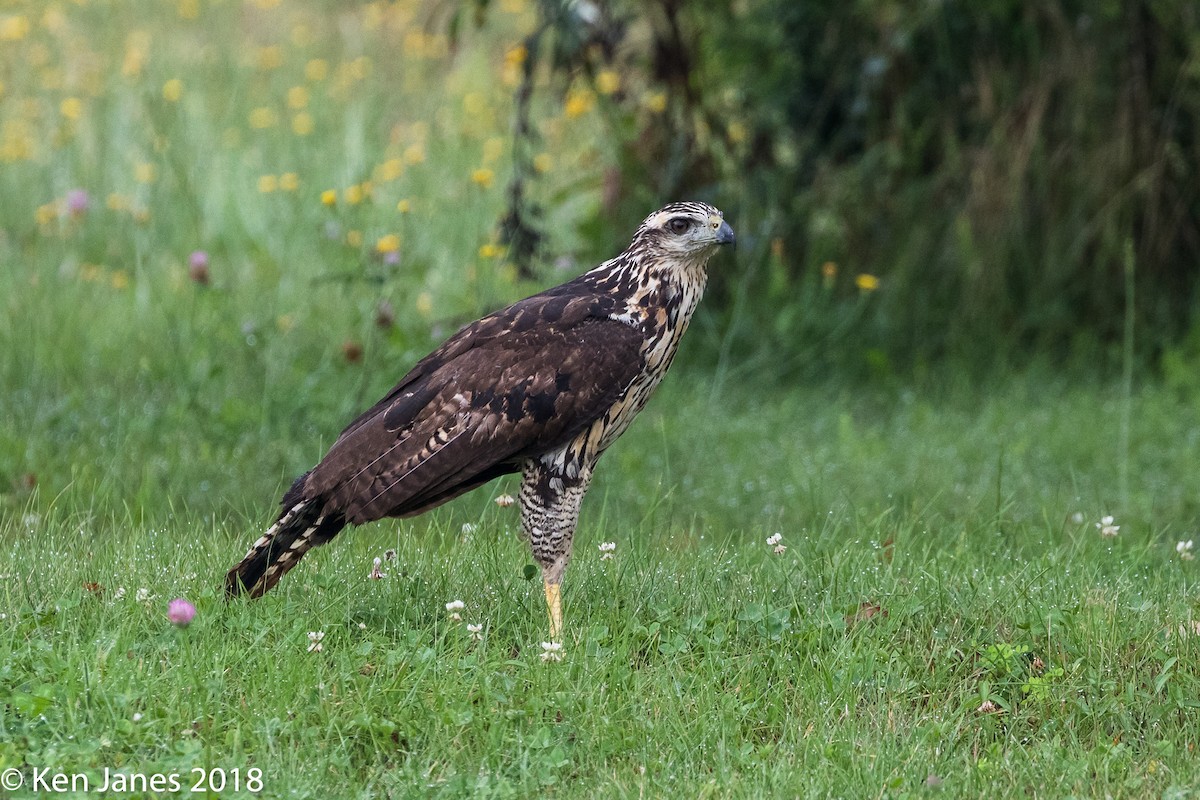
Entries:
{"x":148,"y":425}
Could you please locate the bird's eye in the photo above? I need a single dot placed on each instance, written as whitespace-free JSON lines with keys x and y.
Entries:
{"x":679,"y":225}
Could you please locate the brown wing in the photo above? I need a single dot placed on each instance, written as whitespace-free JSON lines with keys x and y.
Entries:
{"x":513,"y":385}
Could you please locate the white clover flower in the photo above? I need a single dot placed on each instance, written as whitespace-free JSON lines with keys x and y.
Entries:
{"x":774,"y":539}
{"x":1184,"y":549}
{"x":476,"y":631}
{"x":1077,"y":518}
{"x":119,"y":593}
{"x":468,"y":528}
{"x":142,"y":595}
{"x":377,"y":569}
{"x":137,"y":716}
{"x":314,"y":641}
{"x":1106,"y":527}
{"x":453,"y":607}
{"x":606,"y":550}
{"x":505,"y":500}
{"x":780,"y":549}
{"x":552,"y":651}
{"x":362,"y":626}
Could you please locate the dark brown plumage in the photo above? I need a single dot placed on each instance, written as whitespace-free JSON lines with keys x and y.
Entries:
{"x":542,"y":387}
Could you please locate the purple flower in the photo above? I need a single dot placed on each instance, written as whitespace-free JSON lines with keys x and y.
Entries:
{"x":198,"y":267}
{"x":78,"y":202}
{"x":180,"y":612}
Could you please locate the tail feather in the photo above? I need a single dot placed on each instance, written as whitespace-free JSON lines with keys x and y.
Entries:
{"x":301,"y":527}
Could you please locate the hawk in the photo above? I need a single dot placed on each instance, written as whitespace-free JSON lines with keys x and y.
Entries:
{"x":542,"y":387}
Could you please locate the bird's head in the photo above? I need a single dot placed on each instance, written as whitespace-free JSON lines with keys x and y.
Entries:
{"x":687,"y":232}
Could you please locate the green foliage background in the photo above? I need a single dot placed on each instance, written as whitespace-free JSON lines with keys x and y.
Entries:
{"x":990,"y":162}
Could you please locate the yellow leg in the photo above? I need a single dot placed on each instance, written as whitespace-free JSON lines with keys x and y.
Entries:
{"x":554,"y":604}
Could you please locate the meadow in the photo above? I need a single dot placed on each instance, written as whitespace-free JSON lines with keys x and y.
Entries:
{"x":225,"y":227}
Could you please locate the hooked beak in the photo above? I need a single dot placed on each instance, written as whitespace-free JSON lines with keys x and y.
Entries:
{"x":725,"y":234}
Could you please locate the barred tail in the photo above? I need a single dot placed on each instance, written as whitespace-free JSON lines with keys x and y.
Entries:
{"x":298,"y":529}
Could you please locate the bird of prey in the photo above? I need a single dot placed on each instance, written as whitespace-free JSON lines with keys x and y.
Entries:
{"x":542,"y":387}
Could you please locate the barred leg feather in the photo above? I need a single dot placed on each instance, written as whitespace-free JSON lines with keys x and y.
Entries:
{"x":298,"y":530}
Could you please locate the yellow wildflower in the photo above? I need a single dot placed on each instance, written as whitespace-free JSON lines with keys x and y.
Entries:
{"x":119,"y":279}
{"x":302,"y":124}
{"x":270,"y":57}
{"x":285,"y":322}
{"x":353,"y":194}
{"x":144,"y":172}
{"x":354,"y":238}
{"x":474,"y":103}
{"x":297,"y":98}
{"x":655,"y":102}
{"x":46,"y":214}
{"x":737,"y":131}
{"x":516,"y":55}
{"x":329,"y":197}
{"x":414,"y":153}
{"x":172,"y":90}
{"x":868,"y":283}
{"x":388,"y":244}
{"x":263,"y":117}
{"x":71,"y":108}
{"x":188,"y":9}
{"x":607,"y":81}
{"x":268,"y":183}
{"x":483,"y":176}
{"x":391,"y":169}
{"x":579,"y":102}
{"x":316,"y":70}
{"x":489,"y":250}
{"x":13,"y":27}
{"x":289,"y":181}
{"x":116,"y":202}
{"x":543,"y":162}
{"x":404,"y":206}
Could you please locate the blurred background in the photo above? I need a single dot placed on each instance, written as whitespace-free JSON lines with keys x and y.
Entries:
{"x":246,"y":218}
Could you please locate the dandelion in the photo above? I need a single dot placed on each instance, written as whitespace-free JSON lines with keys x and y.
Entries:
{"x":404,"y":206}
{"x":316,"y":70}
{"x":71,"y":108}
{"x":488,"y":250}
{"x":143,"y":595}
{"x":505,"y":500}
{"x":144,"y":172}
{"x":453,"y":607}
{"x":198,"y":267}
{"x":314,"y":641}
{"x":297,"y":98}
{"x":329,"y":197}
{"x":289,"y":181}
{"x":414,"y":153}
{"x":1184,"y":549}
{"x":387,"y":244}
{"x":78,"y":202}
{"x":262,"y":118}
{"x":552,"y":651}
{"x":268,"y":184}
{"x":302,"y":124}
{"x":172,"y":90}
{"x":483,"y":177}
{"x":579,"y":102}
{"x":353,"y":194}
{"x":655,"y":102}
{"x":867,"y":283}
{"x":606,"y":550}
{"x":377,"y":572}
{"x":180,"y":612}
{"x":476,"y":631}
{"x":1106,"y":527}
{"x":607,"y":81}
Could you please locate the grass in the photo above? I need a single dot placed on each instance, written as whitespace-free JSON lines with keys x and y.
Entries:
{"x":940,"y":623}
